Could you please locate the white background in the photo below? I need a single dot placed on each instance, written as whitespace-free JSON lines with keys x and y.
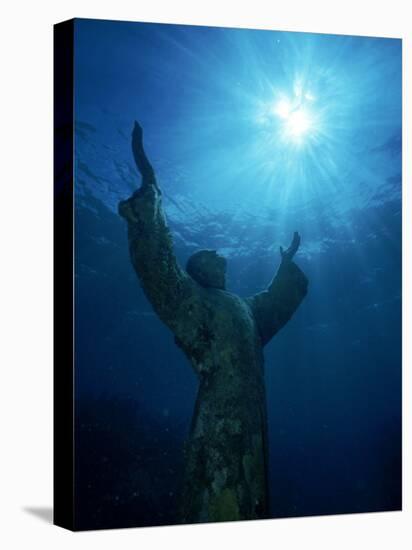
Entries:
{"x":26,"y":273}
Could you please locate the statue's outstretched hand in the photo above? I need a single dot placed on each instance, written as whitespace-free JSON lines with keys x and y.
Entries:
{"x":142,"y":162}
{"x":287,"y":255}
{"x":137,"y":134}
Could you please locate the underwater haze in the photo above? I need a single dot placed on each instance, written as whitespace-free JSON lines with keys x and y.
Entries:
{"x":253,"y":135}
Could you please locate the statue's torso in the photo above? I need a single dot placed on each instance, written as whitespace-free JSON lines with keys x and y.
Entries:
{"x":226,"y":453}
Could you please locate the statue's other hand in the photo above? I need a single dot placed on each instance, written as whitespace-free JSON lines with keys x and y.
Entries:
{"x":287,"y":255}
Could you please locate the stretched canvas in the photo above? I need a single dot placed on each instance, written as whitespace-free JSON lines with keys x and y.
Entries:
{"x":227,"y":274}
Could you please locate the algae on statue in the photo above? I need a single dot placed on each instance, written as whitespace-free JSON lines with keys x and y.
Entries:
{"x":223,"y":336}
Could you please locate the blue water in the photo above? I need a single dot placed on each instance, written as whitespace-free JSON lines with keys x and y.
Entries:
{"x":239,"y":174}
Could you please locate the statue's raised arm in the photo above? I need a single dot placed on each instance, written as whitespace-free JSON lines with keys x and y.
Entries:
{"x":273,"y":307}
{"x":167,"y":286}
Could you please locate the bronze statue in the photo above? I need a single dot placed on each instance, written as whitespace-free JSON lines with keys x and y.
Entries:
{"x":223,"y":336}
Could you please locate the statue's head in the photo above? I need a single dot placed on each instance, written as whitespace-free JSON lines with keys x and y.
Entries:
{"x":207,"y":268}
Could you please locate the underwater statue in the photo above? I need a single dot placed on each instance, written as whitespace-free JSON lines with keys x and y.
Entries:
{"x":223,"y":336}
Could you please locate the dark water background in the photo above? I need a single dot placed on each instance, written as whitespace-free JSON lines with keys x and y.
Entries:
{"x":231,"y":181}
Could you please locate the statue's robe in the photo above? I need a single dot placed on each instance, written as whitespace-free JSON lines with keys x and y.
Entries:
{"x":223,"y":337}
